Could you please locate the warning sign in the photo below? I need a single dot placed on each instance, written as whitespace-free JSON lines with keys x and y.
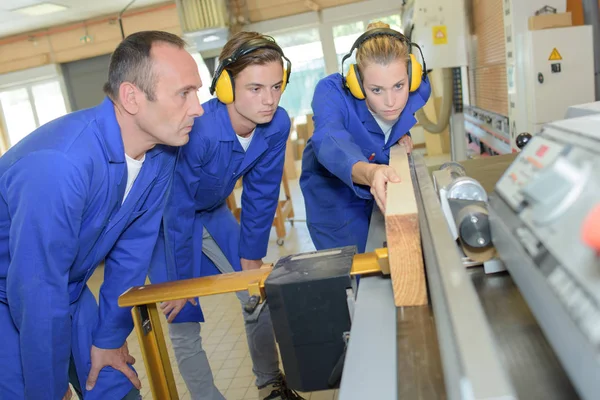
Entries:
{"x":555,"y":55}
{"x":440,"y":36}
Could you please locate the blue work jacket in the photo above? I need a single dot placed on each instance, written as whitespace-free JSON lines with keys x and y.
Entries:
{"x":62,"y":215}
{"x":338,"y":210}
{"x":207,"y":170}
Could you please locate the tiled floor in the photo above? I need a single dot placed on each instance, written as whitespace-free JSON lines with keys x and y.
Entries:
{"x":223,"y":333}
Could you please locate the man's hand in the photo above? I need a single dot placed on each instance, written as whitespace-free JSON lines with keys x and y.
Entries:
{"x":407,"y":142}
{"x":172,"y":307}
{"x":379,"y":179}
{"x":116,"y":358}
{"x":69,"y":394}
{"x":250,"y":264}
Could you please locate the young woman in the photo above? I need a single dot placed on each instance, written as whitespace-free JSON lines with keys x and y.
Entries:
{"x":357,"y":118}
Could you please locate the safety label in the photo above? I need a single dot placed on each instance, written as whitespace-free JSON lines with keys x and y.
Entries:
{"x":440,"y":36}
{"x":555,"y":55}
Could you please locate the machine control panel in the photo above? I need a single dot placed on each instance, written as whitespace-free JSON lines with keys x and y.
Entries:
{"x":535,"y":157}
{"x":552,"y":186}
{"x":552,"y":191}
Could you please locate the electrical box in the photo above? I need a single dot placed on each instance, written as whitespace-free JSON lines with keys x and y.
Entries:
{"x":559,"y":73}
{"x":440,"y":29}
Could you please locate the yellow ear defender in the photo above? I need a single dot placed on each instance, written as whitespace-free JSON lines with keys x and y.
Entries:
{"x":353,"y":81}
{"x":223,"y":84}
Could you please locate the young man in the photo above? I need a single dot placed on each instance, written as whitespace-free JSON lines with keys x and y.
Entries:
{"x":82,"y":189}
{"x":242,"y":134}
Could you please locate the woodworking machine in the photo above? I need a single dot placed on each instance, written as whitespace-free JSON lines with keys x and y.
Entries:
{"x":543,"y":228}
{"x":531,"y":331}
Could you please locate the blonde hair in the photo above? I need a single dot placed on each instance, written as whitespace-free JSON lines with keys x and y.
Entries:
{"x":381,"y":49}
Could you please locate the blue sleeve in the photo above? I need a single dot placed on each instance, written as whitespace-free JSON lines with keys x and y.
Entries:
{"x":46,"y":196}
{"x":260,"y":196}
{"x":180,"y":212}
{"x":334,"y":145}
{"x":127,"y":263}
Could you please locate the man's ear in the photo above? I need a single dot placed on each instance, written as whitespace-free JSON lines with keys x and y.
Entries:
{"x":129,"y":97}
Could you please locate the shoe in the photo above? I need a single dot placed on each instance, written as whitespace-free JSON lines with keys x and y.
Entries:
{"x":278,"y":390}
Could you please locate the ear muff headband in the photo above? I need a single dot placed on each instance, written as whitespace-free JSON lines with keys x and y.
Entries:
{"x":353,"y":81}
{"x":223,"y":83}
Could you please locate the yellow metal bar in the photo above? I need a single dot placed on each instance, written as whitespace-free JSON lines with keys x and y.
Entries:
{"x":146,"y":319}
{"x":197,"y":287}
{"x":370,"y":263}
{"x":383,"y":260}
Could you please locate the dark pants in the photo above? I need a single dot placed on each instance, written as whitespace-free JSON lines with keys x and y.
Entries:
{"x":74,"y":380}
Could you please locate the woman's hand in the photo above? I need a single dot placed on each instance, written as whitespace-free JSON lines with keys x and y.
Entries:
{"x":407,"y":142}
{"x":380,"y":177}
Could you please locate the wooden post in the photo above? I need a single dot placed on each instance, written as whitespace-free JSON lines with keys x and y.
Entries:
{"x":403,"y":235}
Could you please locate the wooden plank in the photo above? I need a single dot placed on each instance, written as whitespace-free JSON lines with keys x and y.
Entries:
{"x":24,"y":63}
{"x":164,"y":19}
{"x":24,"y":49}
{"x":93,"y":49}
{"x":403,"y":235}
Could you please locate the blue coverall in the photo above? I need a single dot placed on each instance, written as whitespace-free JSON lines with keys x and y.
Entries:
{"x":207,"y":170}
{"x":61,"y":215}
{"x":338,"y":210}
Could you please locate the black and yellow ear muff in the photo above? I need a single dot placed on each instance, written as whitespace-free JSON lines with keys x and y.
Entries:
{"x":353,"y":81}
{"x":223,"y":83}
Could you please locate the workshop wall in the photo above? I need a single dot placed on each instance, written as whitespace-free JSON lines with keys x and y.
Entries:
{"x":85,"y":80}
{"x":81,"y":40}
{"x":261,"y":10}
{"x":488,"y":60}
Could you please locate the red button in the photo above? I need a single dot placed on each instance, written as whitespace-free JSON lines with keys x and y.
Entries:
{"x":590,"y":231}
{"x":541,"y":151}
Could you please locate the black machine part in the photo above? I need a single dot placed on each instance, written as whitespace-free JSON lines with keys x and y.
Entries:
{"x":308,"y":301}
{"x":474,"y":229}
{"x":523,"y":139}
{"x":472,"y":221}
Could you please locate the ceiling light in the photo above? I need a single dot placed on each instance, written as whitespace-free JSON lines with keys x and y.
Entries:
{"x":40,"y":9}
{"x":210,"y":38}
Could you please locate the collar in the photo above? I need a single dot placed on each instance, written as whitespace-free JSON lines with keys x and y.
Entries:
{"x":109,"y":131}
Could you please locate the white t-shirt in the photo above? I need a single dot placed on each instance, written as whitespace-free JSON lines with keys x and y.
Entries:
{"x":245,"y":141}
{"x":386,"y":126}
{"x":133,"y":170}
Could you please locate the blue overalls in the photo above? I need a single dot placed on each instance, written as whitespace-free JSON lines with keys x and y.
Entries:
{"x":338,"y":210}
{"x":207,"y":170}
{"x":62,"y":215}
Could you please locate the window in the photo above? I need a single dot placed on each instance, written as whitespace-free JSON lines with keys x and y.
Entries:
{"x":393,"y":21}
{"x":304,"y":50}
{"x":27,"y":107}
{"x":344,"y":37}
{"x":18,"y":114}
{"x":206,"y":77}
{"x":48,"y":101}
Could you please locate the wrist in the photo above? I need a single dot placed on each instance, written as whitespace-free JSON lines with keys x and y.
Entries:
{"x":373,"y":168}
